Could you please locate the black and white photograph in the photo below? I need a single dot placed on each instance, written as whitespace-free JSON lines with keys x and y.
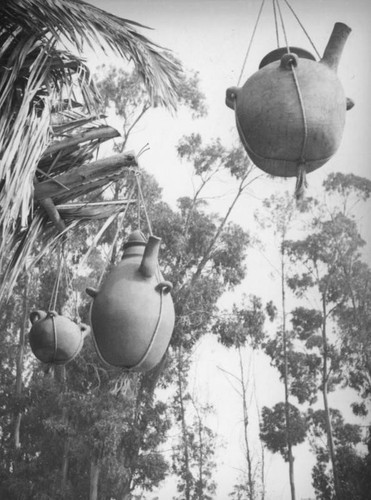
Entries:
{"x":185,"y":250}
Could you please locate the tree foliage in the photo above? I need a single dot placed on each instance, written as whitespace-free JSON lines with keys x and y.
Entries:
{"x":273,"y":428}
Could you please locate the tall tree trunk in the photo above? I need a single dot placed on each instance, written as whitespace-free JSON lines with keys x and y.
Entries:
{"x":325,"y":374}
{"x":286,"y":376}
{"x":60,"y":380}
{"x":65,"y":463}
{"x":251,"y":485}
{"x":19,"y":367}
{"x":262,"y":471}
{"x":187,"y":489}
{"x":200,"y":463}
{"x":94,"y":478}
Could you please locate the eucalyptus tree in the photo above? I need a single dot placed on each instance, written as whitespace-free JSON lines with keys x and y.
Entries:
{"x":282,"y":218}
{"x":193,"y":452}
{"x":325,"y":264}
{"x":123,"y":91}
{"x":353,"y":467}
{"x":329,"y":264}
{"x":244,"y":329}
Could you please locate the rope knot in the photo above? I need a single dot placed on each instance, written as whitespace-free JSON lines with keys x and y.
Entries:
{"x":301,"y":181}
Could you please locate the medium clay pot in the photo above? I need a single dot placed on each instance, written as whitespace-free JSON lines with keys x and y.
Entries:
{"x":132,"y":315}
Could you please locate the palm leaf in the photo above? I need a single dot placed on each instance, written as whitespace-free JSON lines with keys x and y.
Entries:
{"x":79,"y":23}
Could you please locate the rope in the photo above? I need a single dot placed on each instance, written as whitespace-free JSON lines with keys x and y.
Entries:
{"x":54,"y":295}
{"x":283,"y":26}
{"x":276,"y":23}
{"x":154,"y":336}
{"x":305,"y":125}
{"x":140,"y":195}
{"x":138,"y":207}
{"x":55,"y":339}
{"x":302,"y":27}
{"x":70,"y":288}
{"x":301,"y":181}
{"x":250,"y":43}
{"x":117,"y":234}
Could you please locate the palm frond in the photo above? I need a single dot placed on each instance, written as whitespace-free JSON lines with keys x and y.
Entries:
{"x":89,"y":212}
{"x":79,"y":23}
{"x":81,"y":180}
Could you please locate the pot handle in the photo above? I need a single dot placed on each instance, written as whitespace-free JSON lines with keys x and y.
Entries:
{"x":288,"y":60}
{"x":37,"y":315}
{"x":164,"y":286}
{"x":91,"y":291}
{"x":85,"y":330}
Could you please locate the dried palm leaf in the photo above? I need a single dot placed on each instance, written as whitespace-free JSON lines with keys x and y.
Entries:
{"x":79,"y":181}
{"x":89,"y":212}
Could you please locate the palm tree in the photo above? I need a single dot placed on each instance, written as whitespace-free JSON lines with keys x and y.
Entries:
{"x":50,"y":123}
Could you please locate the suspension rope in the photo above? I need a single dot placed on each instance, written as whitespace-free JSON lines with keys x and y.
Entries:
{"x":154,"y":335}
{"x":302,"y":27}
{"x":301,"y":181}
{"x":54,"y":295}
{"x":117,"y":234}
{"x":283,"y":26}
{"x":276,"y":23}
{"x":69,"y":285}
{"x":138,"y":202}
{"x":141,"y":199}
{"x":250,"y":43}
{"x":55,"y":337}
{"x":305,"y":124}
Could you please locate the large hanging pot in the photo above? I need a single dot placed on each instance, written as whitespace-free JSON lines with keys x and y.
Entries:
{"x":291,"y":113}
{"x":54,"y":338}
{"x":132,"y":315}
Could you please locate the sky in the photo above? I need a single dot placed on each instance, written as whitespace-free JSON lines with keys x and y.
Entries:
{"x":211,"y":37}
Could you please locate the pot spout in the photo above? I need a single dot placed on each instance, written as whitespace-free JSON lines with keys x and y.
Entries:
{"x":335,"y":45}
{"x":149,"y":262}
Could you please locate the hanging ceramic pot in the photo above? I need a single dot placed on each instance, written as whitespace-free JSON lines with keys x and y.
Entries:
{"x":291,"y":112}
{"x":132,"y":315}
{"x":55,"y":338}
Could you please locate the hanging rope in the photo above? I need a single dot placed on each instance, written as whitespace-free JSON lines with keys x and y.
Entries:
{"x":251,"y":40}
{"x":55,"y":350}
{"x":154,"y":336}
{"x":53,"y":299}
{"x":117,"y":234}
{"x":302,"y":27}
{"x":301,"y":181}
{"x":73,"y":291}
{"x":54,"y":295}
{"x":283,"y":26}
{"x":141,"y":200}
{"x":276,"y":23}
